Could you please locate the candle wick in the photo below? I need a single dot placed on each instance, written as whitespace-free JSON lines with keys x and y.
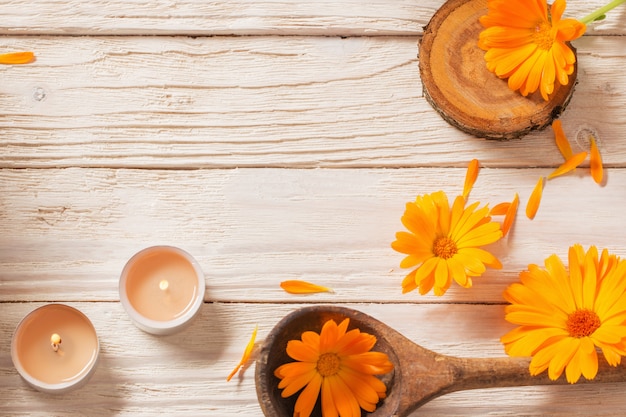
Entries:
{"x":164,"y":284}
{"x":55,"y":341}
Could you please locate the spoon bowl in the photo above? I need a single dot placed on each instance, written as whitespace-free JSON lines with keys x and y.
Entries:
{"x":273,"y":354}
{"x":419,"y":374}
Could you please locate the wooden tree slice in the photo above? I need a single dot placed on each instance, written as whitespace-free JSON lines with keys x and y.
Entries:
{"x":459,"y":86}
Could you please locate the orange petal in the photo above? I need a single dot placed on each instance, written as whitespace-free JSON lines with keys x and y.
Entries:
{"x":500,"y":209}
{"x":470,"y":177}
{"x":569,"y":165}
{"x":534,"y":200}
{"x":302,"y":287}
{"x":13,"y":58}
{"x":510,"y":215}
{"x":561,"y":141}
{"x":595,"y":162}
{"x":246,"y":354}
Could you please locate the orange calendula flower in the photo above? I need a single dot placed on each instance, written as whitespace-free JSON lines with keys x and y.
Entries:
{"x":565,"y":313}
{"x":534,"y":200}
{"x":17,"y":58}
{"x":595,"y":163}
{"x":246,"y":354}
{"x":338,"y":363}
{"x":302,"y":287}
{"x":526,"y":43}
{"x":569,"y":165}
{"x":444,"y":243}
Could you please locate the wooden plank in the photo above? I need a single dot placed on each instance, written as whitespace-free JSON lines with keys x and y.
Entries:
{"x":172,"y":102}
{"x":185,"y":374}
{"x":71,"y":231}
{"x":239,"y":17}
{"x":115,"y":141}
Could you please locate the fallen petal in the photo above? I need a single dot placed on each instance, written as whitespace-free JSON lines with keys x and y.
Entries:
{"x":246,"y":354}
{"x":470,"y":177}
{"x":569,"y":165}
{"x":500,"y":209}
{"x":561,"y":141}
{"x":16,"y":58}
{"x":595,"y":162}
{"x":510,"y":215}
{"x":534,"y":200}
{"x":302,"y":287}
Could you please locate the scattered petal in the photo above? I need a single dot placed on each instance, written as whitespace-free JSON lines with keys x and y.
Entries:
{"x":569,"y":165}
{"x":534,"y":200}
{"x":302,"y":287}
{"x":17,"y":58}
{"x":595,"y":162}
{"x":246,"y":354}
{"x":470,"y":177}
{"x":510,"y":215}
{"x":500,"y":209}
{"x":561,"y":140}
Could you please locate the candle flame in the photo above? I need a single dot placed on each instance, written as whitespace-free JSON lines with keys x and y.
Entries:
{"x":55,"y":341}
{"x":164,"y":284}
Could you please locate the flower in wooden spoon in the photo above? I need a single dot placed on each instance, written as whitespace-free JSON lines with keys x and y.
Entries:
{"x":565,"y":313}
{"x":526,"y":43}
{"x":444,"y":241}
{"x":339,"y":364}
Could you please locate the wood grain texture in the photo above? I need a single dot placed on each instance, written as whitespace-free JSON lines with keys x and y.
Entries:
{"x":71,"y":231}
{"x":185,"y":374}
{"x":299,"y":102}
{"x":241,"y":17}
{"x":287,"y":153}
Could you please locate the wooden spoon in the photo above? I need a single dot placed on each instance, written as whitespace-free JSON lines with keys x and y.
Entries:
{"x":420,"y":375}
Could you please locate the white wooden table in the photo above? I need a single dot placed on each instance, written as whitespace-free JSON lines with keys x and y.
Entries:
{"x":271,"y":140}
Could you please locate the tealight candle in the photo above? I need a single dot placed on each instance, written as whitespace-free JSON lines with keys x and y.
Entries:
{"x":55,"y":348}
{"x":162,"y":289}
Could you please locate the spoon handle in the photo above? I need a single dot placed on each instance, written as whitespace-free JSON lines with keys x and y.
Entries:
{"x":513,"y":372}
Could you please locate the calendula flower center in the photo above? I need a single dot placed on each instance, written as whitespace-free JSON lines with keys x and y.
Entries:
{"x":444,"y":247}
{"x":328,"y":364}
{"x":543,"y":36}
{"x":582,"y":323}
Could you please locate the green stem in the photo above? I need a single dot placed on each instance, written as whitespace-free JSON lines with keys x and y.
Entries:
{"x":601,"y":11}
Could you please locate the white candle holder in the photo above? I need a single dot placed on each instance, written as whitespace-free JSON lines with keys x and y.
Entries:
{"x":55,"y":348}
{"x":162,"y":289}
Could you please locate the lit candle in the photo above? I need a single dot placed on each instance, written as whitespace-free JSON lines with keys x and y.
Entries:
{"x":162,"y":289}
{"x":55,"y":348}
